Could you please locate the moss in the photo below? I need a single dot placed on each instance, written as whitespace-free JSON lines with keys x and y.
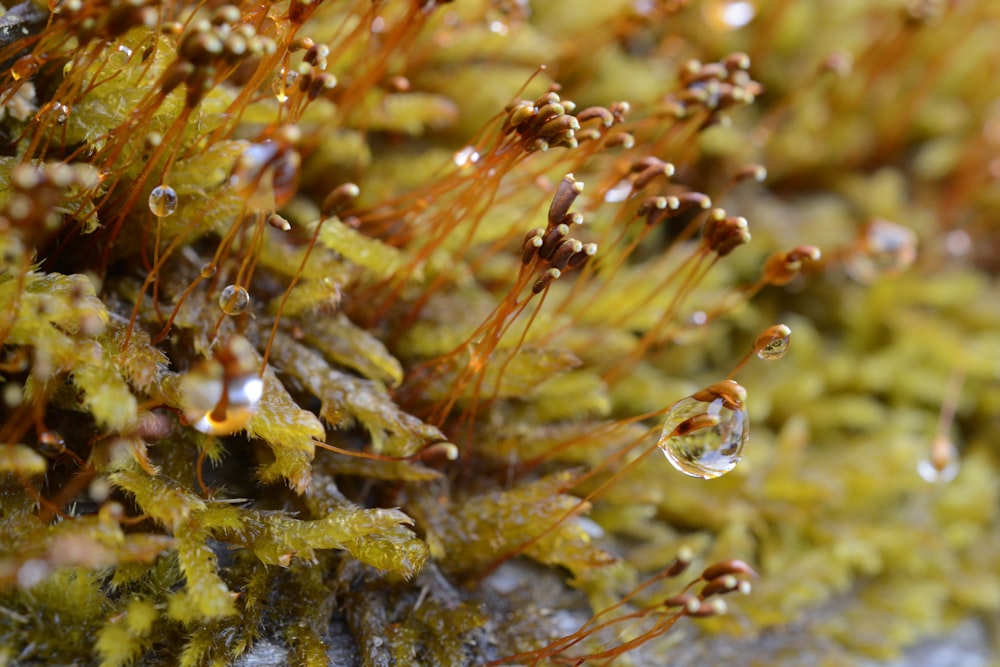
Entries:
{"x":448,"y":379}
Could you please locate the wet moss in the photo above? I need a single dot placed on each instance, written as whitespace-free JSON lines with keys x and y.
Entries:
{"x":456,"y":370}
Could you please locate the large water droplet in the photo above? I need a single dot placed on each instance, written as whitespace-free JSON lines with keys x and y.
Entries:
{"x":162,"y":201}
{"x":242,"y":398}
{"x":704,"y":434}
{"x":234,"y":300}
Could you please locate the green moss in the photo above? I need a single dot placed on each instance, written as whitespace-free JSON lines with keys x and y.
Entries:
{"x":412,"y":398}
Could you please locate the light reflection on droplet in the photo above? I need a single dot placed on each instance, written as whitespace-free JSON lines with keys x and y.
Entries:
{"x":498,"y":27}
{"x":729,"y":14}
{"x":619,"y":192}
{"x":466,"y":156}
{"x":958,"y":243}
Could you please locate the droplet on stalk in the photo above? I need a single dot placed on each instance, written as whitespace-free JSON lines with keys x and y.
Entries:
{"x":704,"y":434}
{"x":234,"y":300}
{"x":773,"y":343}
{"x":162,"y":201}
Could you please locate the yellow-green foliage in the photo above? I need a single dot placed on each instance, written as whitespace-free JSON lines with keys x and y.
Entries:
{"x":418,"y":395}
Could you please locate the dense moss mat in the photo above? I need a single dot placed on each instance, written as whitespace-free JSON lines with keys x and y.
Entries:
{"x":327,"y":318}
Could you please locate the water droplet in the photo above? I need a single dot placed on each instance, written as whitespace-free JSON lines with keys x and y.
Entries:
{"x":162,"y":201}
{"x":466,"y":156}
{"x":704,"y":434}
{"x":773,"y":343}
{"x":207,"y":270}
{"x":942,"y":466}
{"x":931,"y":474}
{"x":242,"y":397}
{"x":884,"y":249}
{"x":234,"y":300}
{"x":619,"y":192}
{"x":729,"y":14}
{"x":221,"y":395}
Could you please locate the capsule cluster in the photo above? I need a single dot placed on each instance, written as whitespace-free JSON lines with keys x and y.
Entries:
{"x":720,"y":579}
{"x":549,"y":121}
{"x":37,"y":191}
{"x":552,"y":247}
{"x":309,"y":79}
{"x":715,"y":87}
{"x":724,"y":233}
{"x":210,"y":46}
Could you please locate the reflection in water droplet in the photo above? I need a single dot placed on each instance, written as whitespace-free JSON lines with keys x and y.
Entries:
{"x":774,"y":342}
{"x":704,"y":434}
{"x":234,"y":300}
{"x":207,"y":270}
{"x":162,"y":201}
{"x":884,"y":249}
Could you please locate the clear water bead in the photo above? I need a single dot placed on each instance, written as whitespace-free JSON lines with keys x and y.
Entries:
{"x":162,"y":201}
{"x":234,"y":300}
{"x":704,"y":433}
{"x":773,"y":343}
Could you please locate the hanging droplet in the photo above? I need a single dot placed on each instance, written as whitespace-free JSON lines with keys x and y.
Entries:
{"x":207,"y":270}
{"x":704,"y":433}
{"x":242,"y":398}
{"x":773,"y":343}
{"x":942,"y":466}
{"x":884,"y":249}
{"x":220,"y":395}
{"x":234,"y":300}
{"x":162,"y":201}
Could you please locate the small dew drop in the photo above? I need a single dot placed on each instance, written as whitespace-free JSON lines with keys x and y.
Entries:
{"x":207,"y":270}
{"x":773,"y":344}
{"x":885,"y":249}
{"x":466,"y":156}
{"x":162,"y":201}
{"x":234,"y":300}
{"x":704,"y":434}
{"x":699,"y":318}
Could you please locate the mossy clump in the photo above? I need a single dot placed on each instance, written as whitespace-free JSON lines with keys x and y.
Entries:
{"x":344,"y":323}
